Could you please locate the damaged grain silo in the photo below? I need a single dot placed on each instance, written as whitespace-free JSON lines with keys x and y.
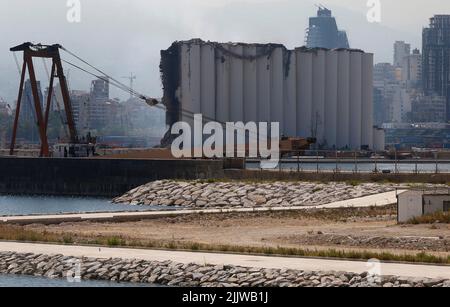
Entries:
{"x":320,"y":93}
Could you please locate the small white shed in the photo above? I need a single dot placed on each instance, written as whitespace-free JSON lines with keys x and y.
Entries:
{"x":415,"y":203}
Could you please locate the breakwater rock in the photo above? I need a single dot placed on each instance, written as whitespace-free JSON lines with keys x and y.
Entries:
{"x":193,"y":275}
{"x":198,"y":194}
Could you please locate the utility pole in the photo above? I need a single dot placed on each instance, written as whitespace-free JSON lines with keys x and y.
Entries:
{"x":131,"y":78}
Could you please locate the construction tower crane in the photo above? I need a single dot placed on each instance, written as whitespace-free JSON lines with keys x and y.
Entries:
{"x":131,"y":78}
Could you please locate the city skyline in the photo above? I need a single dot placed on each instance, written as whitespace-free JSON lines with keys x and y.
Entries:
{"x":132,"y":44}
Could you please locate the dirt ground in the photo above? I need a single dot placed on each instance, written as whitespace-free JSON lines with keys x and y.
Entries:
{"x":344,"y":229}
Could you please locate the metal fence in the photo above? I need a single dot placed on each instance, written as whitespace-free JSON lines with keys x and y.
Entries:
{"x":361,"y":162}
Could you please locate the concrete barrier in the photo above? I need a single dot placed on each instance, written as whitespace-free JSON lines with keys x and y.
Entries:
{"x":95,"y":177}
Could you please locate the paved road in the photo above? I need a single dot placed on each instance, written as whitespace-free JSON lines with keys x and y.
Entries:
{"x":373,"y":200}
{"x":405,"y":270}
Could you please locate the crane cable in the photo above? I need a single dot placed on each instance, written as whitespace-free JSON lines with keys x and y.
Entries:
{"x":103,"y":78}
{"x":120,"y":85}
{"x":150,"y":101}
{"x":127,"y":88}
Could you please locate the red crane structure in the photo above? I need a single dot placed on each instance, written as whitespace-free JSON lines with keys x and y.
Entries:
{"x":31,"y":51}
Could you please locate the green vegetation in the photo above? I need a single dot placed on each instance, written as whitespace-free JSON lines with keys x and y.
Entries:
{"x":354,"y":183}
{"x":115,"y":241}
{"x":67,"y":239}
{"x":18,"y":233}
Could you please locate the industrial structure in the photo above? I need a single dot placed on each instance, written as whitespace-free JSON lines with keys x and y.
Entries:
{"x":323,"y":31}
{"x":419,"y":135}
{"x":436,"y":58}
{"x":31,"y":51}
{"x":320,"y":93}
{"x":96,"y":109}
{"x":416,"y":203}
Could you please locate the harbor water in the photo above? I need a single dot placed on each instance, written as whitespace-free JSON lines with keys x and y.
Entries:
{"x":12,"y":205}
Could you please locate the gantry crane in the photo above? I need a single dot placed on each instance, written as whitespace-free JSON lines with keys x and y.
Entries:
{"x":31,"y":51}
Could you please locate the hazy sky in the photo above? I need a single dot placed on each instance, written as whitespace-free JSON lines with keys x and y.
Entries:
{"x":123,"y":36}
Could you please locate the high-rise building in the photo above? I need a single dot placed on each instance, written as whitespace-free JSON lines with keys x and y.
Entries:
{"x":436,"y":59}
{"x":385,"y":88}
{"x":412,"y":69}
{"x":401,"y":50}
{"x":383,"y":73}
{"x":27,"y":108}
{"x":397,"y":84}
{"x":99,"y":97}
{"x":28,"y":119}
{"x":429,"y":109}
{"x":378,"y":109}
{"x":80,"y":106}
{"x":100,"y":89}
{"x":401,"y":105}
{"x":323,"y":32}
{"x":3,"y":106}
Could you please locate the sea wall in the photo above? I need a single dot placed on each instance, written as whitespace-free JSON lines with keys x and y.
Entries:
{"x":95,"y":177}
{"x":226,"y":195}
{"x":193,"y":275}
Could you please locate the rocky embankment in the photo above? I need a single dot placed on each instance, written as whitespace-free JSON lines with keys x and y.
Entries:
{"x":196,"y":194}
{"x":438,"y":244}
{"x":193,"y":275}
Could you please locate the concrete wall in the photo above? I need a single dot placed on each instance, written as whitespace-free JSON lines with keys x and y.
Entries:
{"x":410,"y":205}
{"x":434,"y":203}
{"x":312,"y":92}
{"x":95,"y":177}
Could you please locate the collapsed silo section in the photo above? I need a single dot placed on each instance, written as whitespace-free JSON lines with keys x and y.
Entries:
{"x":171,"y":79}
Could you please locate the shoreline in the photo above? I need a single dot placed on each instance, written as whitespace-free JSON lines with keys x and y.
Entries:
{"x":171,"y":273}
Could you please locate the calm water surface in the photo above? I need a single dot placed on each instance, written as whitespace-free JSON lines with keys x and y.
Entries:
{"x":30,"y":281}
{"x":31,"y":205}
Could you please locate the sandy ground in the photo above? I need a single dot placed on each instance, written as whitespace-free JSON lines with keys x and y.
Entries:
{"x":368,"y":229}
